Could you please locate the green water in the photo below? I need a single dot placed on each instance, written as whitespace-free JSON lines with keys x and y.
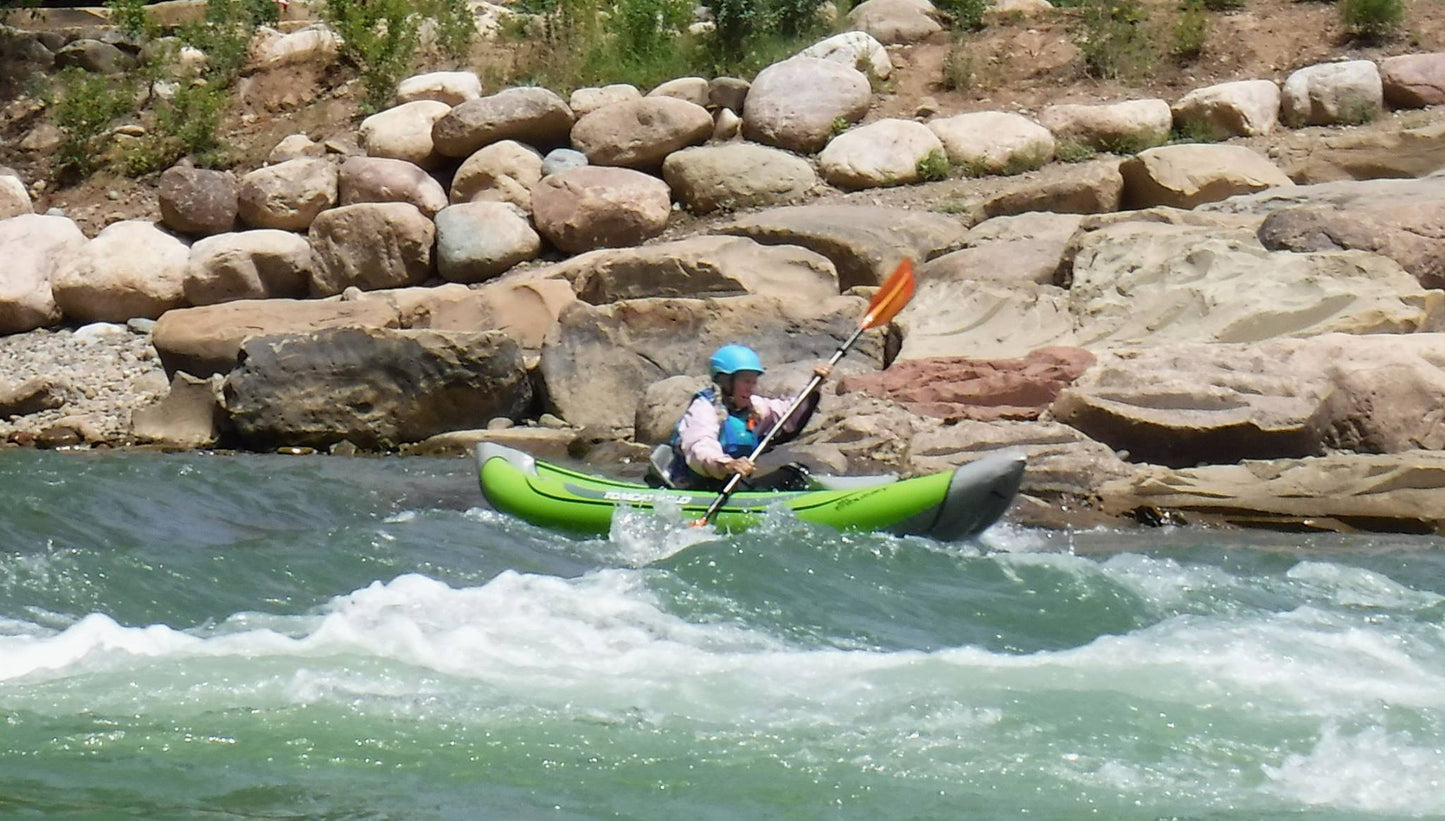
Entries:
{"x":192,"y":636}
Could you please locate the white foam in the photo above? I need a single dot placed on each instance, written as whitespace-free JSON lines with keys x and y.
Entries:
{"x":1371,"y":771}
{"x":640,"y":537}
{"x":1357,"y":587}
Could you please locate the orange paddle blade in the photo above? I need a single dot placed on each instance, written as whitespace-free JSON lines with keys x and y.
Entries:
{"x":891,"y":298}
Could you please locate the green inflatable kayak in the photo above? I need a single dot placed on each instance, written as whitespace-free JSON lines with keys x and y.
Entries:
{"x":950,"y":505}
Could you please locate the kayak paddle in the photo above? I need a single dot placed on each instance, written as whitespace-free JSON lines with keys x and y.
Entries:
{"x":886,"y":304}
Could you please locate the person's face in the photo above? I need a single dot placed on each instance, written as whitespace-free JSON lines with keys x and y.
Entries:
{"x":744,"y":383}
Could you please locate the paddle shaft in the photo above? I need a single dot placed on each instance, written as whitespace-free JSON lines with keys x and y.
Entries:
{"x":736,"y":478}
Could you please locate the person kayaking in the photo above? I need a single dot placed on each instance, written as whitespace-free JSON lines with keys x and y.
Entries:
{"x":724,"y":424}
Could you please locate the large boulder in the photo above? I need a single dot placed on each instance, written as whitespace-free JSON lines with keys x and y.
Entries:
{"x":1037,"y":259}
{"x":404,"y":132}
{"x":600,"y":359}
{"x":287,"y":195}
{"x":795,"y":104}
{"x":641,"y":133}
{"x":198,"y":201}
{"x":378,"y":179}
{"x":1412,"y":235}
{"x":1413,"y":80}
{"x":131,"y":269}
{"x":588,"y":208}
{"x":882,"y":153}
{"x":695,"y":90}
{"x":1393,"y":148}
{"x":994,"y":142}
{"x":736,"y":175}
{"x":1333,"y":93}
{"x":1345,"y":492}
{"x":480,"y":240}
{"x":14,"y":199}
{"x":700,"y":267}
{"x":856,"y":49}
{"x":370,"y":246}
{"x":584,"y":101}
{"x":93,"y":56}
{"x":954,"y":388}
{"x":1243,"y":108}
{"x":450,"y":87}
{"x":896,"y":21}
{"x":34,"y":247}
{"x":316,"y":45}
{"x":1187,"y":175}
{"x":374,"y":388}
{"x":1137,"y":281}
{"x":534,"y":116}
{"x":1182,"y":405}
{"x":1148,"y":283}
{"x":1125,"y":128}
{"x":190,"y":416}
{"x":1094,"y":187}
{"x":864,"y":242}
{"x":248,"y":265}
{"x":504,"y":171}
{"x":207,"y":340}
{"x":1401,"y":219}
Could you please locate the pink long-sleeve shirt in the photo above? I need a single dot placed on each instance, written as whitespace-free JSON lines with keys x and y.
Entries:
{"x":700,"y":427}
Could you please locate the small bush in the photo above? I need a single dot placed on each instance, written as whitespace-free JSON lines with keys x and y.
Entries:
{"x":1224,"y":5}
{"x":1372,"y":19}
{"x":129,"y":16}
{"x":1195,"y":131}
{"x":795,"y":18}
{"x":82,"y":106}
{"x":1191,"y":31}
{"x":646,"y":30}
{"x":380,"y":37}
{"x":456,"y":27}
{"x":967,"y":14}
{"x":960,"y":68}
{"x":225,"y":35}
{"x":1114,"y":39}
{"x":934,"y":166}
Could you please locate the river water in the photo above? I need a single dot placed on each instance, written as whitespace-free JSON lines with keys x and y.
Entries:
{"x":188,"y":636}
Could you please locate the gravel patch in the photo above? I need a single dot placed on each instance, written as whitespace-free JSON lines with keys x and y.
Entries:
{"x":102,"y":372}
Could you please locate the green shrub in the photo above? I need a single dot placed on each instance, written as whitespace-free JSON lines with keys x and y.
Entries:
{"x":82,"y":106}
{"x":380,"y":38}
{"x":1114,"y":39}
{"x":959,"y":66}
{"x":934,"y":166}
{"x":645,"y":30}
{"x":967,"y":14}
{"x":1195,"y":131}
{"x":1224,"y":5}
{"x":456,"y":27}
{"x":1191,"y":31}
{"x":129,"y":16}
{"x":225,"y":35}
{"x":1372,"y":19}
{"x":795,"y":18}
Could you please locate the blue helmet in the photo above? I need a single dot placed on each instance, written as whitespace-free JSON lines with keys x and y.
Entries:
{"x":729,"y":359}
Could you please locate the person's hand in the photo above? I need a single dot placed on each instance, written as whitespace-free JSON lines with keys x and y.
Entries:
{"x":823,"y":370}
{"x":742,"y":466}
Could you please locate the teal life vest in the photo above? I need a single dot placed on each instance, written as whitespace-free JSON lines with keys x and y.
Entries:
{"x":739,"y":434}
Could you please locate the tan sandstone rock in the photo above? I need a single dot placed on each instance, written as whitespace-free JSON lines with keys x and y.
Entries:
{"x":130,"y":269}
